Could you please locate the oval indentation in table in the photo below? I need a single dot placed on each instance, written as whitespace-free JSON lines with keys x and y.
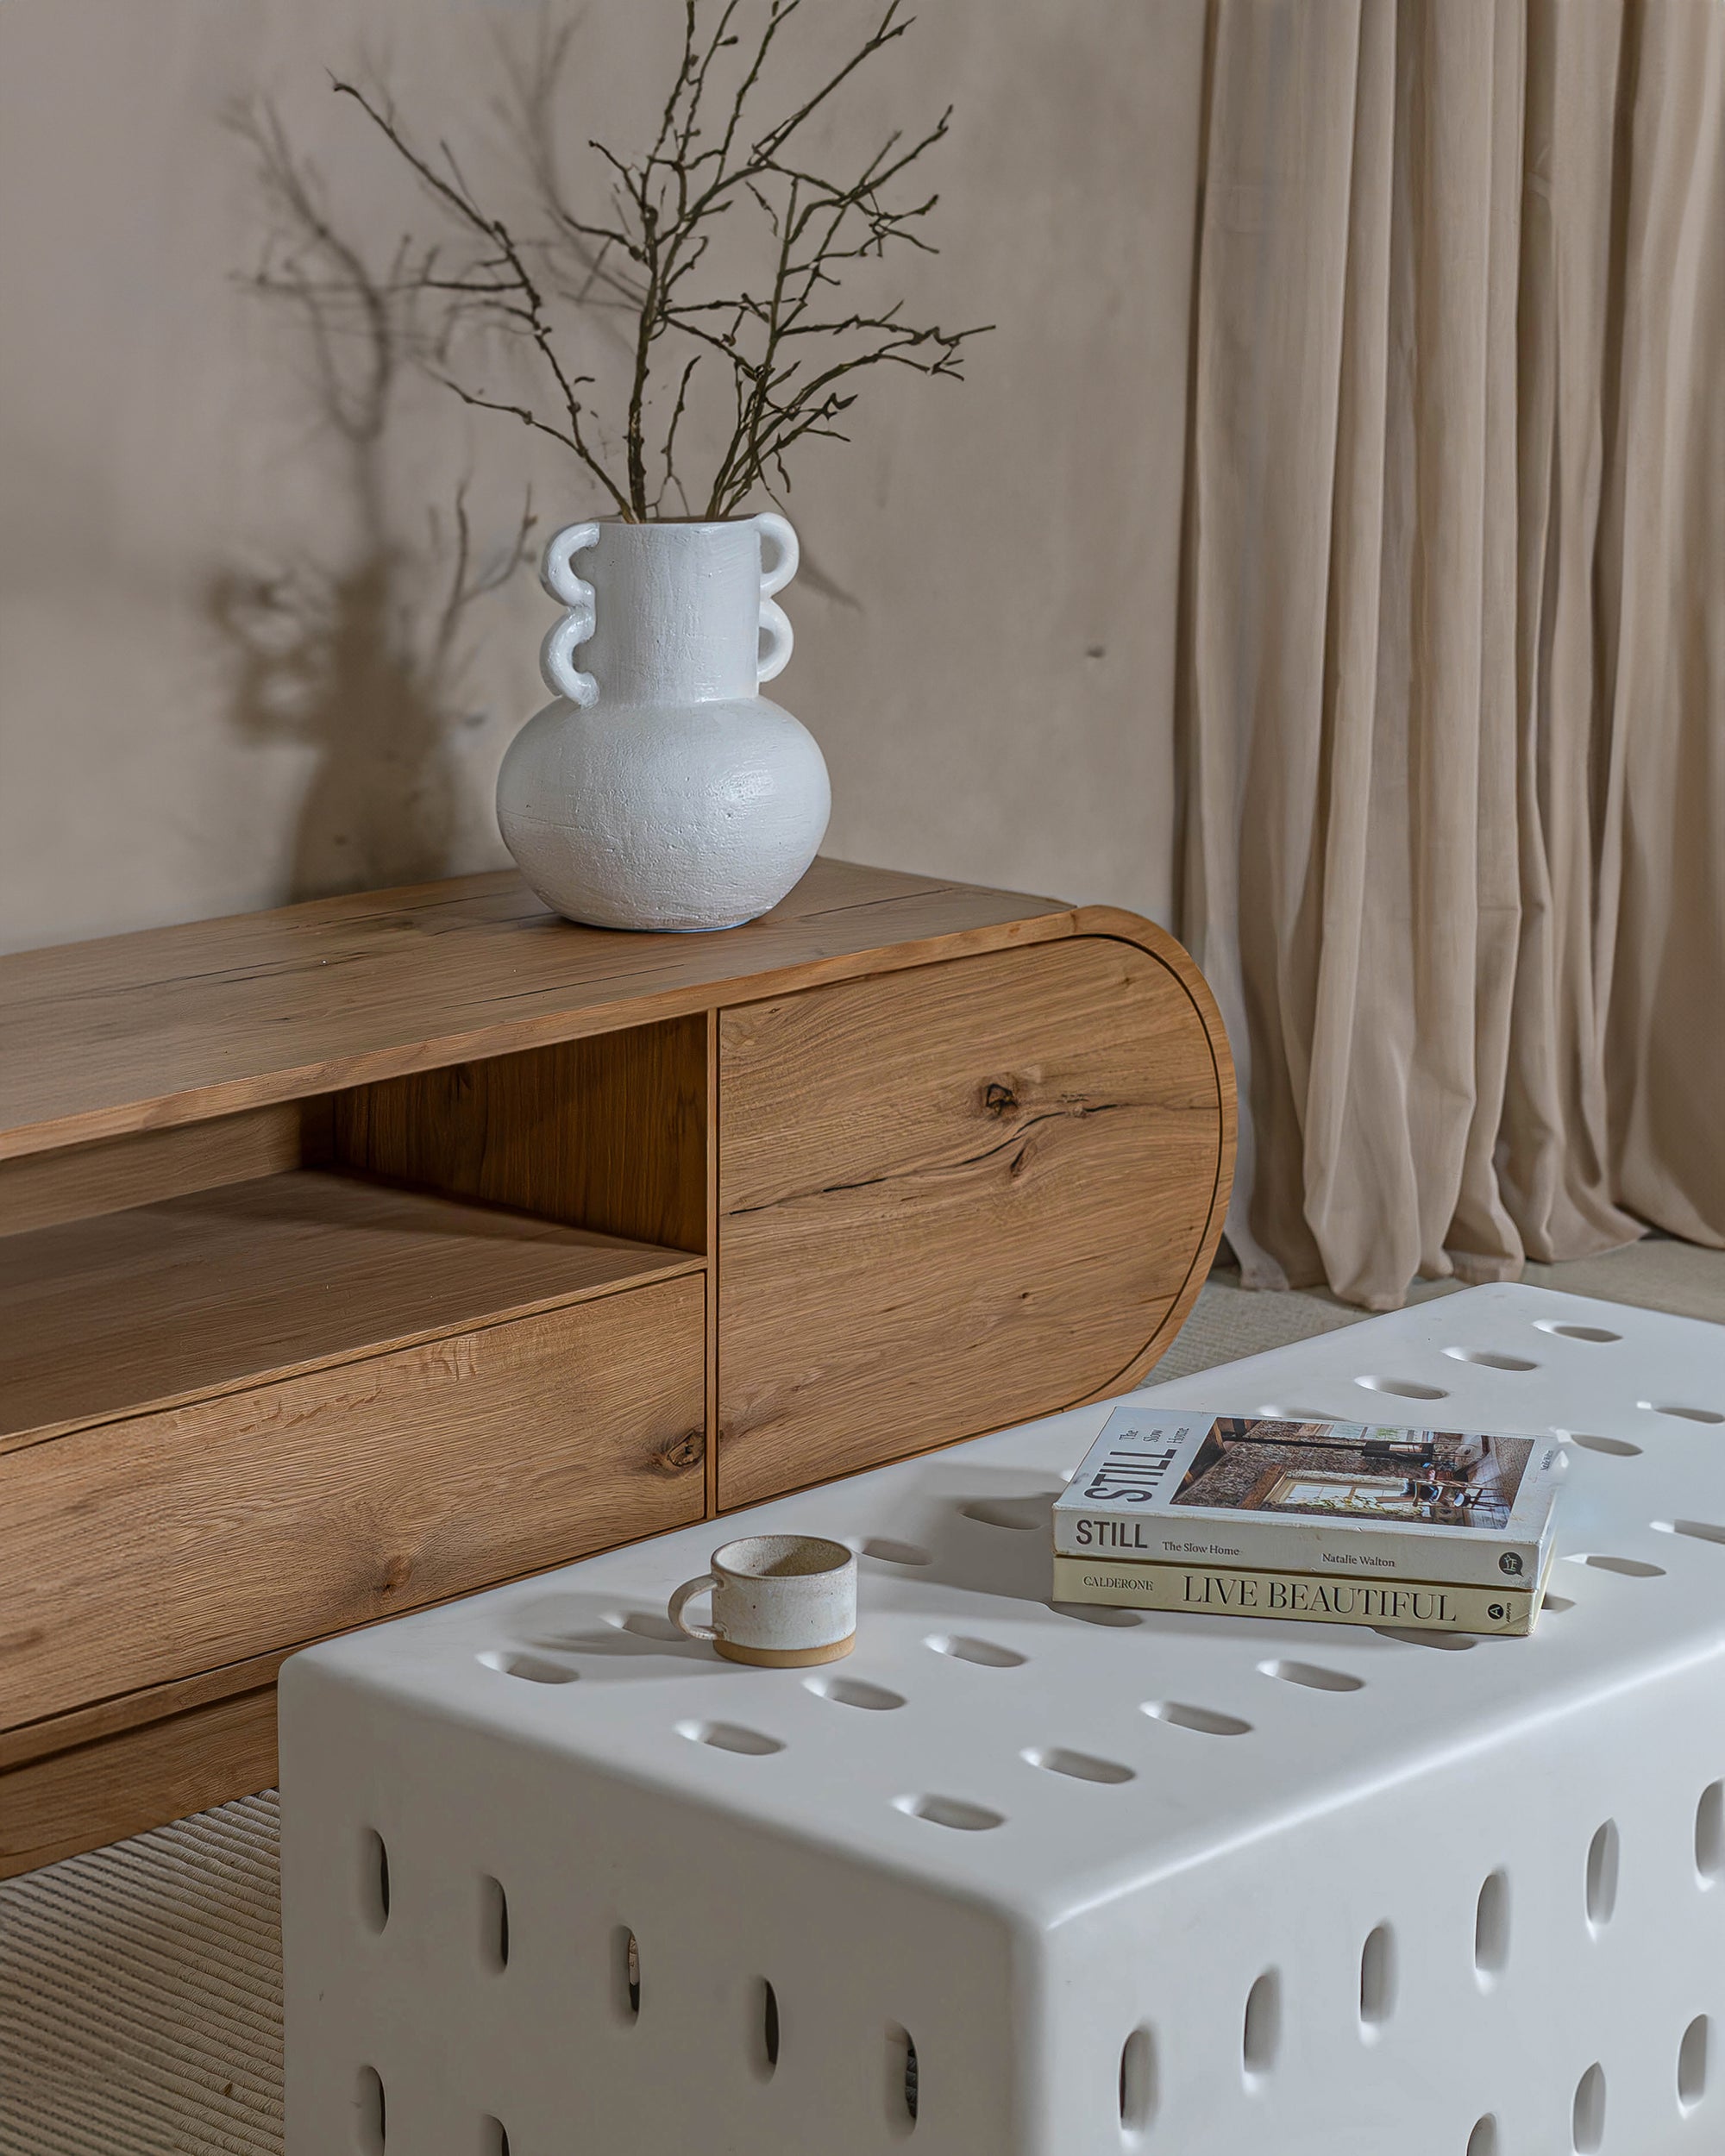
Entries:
{"x":1077,"y":1766}
{"x":1209,"y":1721}
{"x":1026,"y":1515}
{"x":532,"y":1669}
{"x":951,"y":1811}
{"x":961,"y":1647}
{"x":753,"y":1743}
{"x":1696,"y":1530}
{"x":1490,"y":1358}
{"x":885,"y":1551}
{"x":854,"y":1691}
{"x":1313,"y":1676}
{"x":1097,"y":1613}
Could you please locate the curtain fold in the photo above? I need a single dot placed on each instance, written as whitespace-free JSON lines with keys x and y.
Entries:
{"x":1453,"y":675}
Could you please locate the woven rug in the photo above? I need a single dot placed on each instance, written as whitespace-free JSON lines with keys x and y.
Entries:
{"x":141,"y":1995}
{"x":140,"y":1985}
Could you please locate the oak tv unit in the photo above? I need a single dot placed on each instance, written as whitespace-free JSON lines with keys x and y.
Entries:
{"x":362,"y":1254}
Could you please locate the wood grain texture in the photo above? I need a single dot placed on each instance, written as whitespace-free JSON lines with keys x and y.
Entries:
{"x":122,"y":1784}
{"x":173,"y":1301}
{"x":953,"y":1199}
{"x":142,"y":1551}
{"x":1131,"y":928}
{"x":177,"y":1025}
{"x":954,"y":1157}
{"x":82,"y":1182}
{"x":148,"y":1703}
{"x":608,"y":1133}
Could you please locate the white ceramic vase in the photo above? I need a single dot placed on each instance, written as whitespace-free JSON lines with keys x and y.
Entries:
{"x":662,"y":790}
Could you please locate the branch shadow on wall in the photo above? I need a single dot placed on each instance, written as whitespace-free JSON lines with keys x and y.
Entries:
{"x":360,"y":661}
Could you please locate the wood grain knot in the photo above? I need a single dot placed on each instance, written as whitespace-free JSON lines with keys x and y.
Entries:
{"x":999,"y":1099}
{"x":681,"y":1453}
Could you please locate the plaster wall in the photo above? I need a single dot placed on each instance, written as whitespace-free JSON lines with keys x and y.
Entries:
{"x":220,"y":563}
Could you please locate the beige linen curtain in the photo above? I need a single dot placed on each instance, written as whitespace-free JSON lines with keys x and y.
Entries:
{"x":1452,"y":678}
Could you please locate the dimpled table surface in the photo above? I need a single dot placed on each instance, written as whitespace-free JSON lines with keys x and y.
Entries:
{"x":1015,"y":1880}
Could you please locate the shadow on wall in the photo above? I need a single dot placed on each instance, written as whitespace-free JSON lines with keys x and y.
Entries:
{"x":326,"y":659}
{"x":362,"y":663}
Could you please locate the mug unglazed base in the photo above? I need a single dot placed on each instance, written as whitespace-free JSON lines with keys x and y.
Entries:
{"x":785,"y":1658}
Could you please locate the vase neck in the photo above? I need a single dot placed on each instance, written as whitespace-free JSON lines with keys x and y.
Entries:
{"x":676,"y":613}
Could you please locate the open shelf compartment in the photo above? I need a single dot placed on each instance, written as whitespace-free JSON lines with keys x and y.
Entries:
{"x":162,"y":1267}
{"x":171,"y":1302}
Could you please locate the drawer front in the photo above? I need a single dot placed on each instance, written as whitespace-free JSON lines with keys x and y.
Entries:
{"x":120,"y":1784}
{"x":951,"y":1198}
{"x":138,"y":1551}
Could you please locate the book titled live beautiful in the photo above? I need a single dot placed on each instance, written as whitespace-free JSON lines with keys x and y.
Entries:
{"x":1270,"y":1516}
{"x":1328,"y":1598}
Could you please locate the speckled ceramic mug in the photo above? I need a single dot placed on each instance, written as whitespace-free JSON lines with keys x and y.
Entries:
{"x":780,"y":1601}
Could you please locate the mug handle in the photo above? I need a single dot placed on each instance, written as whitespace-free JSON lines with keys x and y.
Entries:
{"x":679,"y":1601}
{"x":774,"y":623}
{"x":557,"y":668}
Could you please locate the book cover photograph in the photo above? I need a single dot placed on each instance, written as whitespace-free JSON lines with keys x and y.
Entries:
{"x":1184,"y":1486}
{"x":1442,"y":1477}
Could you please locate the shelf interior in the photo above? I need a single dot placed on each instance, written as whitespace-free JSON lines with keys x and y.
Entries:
{"x":170,"y":1301}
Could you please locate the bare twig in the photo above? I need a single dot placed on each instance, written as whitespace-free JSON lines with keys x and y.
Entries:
{"x":643,"y":260}
{"x":509,"y":275}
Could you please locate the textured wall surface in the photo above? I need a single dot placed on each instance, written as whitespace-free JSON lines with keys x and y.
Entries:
{"x":221,"y":685}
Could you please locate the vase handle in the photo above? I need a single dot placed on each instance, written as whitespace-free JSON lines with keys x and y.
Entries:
{"x":557,"y":667}
{"x":774,"y":623}
{"x":771,"y":525}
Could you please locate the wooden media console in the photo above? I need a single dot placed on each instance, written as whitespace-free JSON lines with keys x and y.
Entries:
{"x":360,"y":1254}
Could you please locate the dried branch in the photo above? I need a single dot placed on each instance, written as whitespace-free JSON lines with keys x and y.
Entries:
{"x":500,"y":284}
{"x":639,"y":265}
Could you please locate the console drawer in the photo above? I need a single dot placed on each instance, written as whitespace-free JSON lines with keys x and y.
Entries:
{"x":953,"y":1198}
{"x":146,"y":1548}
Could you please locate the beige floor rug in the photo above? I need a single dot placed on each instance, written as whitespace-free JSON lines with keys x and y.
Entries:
{"x":141,"y":1986}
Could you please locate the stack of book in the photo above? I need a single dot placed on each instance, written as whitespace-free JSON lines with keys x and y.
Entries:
{"x":1345,"y":1522}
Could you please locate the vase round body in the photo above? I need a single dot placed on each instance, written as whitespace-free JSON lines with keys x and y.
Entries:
{"x":662,"y":790}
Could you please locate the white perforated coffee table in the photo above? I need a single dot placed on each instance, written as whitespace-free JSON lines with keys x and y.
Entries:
{"x":1018,"y":1882}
